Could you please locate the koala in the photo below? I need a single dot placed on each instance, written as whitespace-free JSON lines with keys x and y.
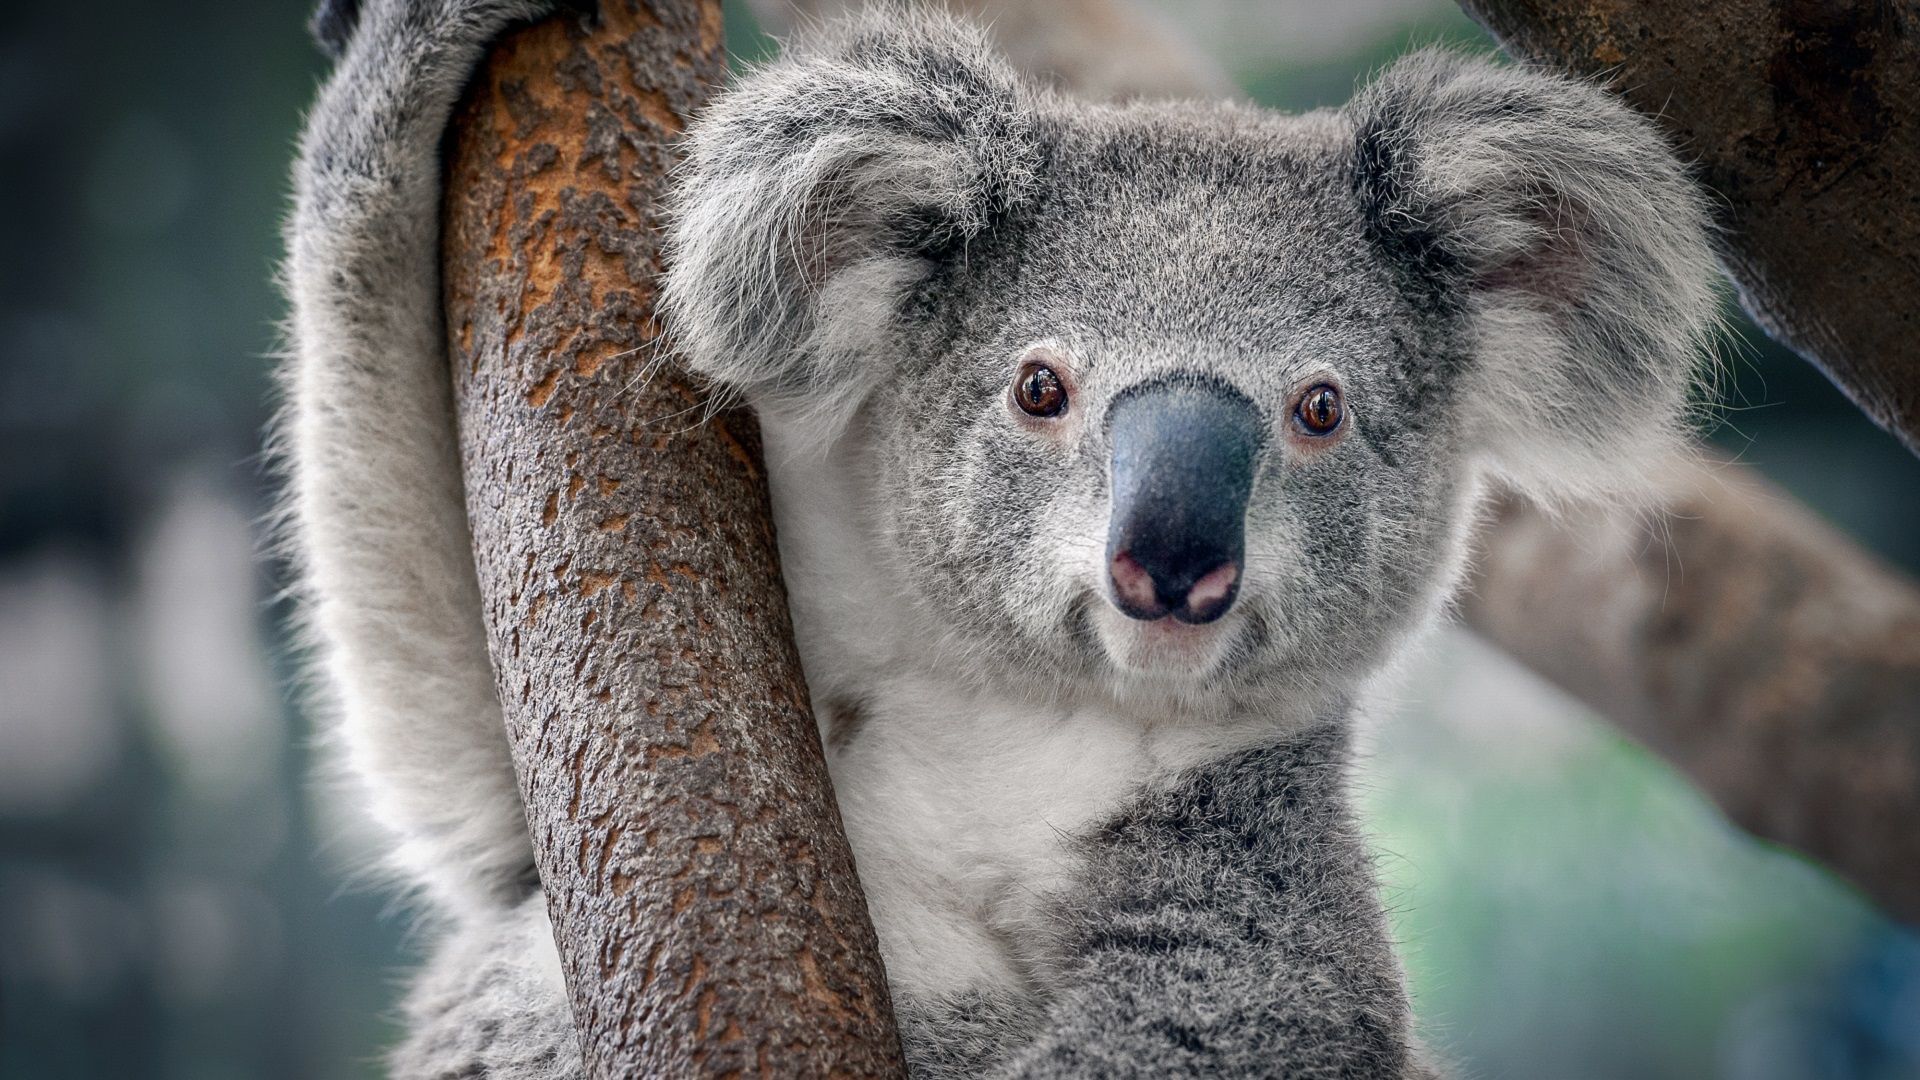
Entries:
{"x":1116,"y":450}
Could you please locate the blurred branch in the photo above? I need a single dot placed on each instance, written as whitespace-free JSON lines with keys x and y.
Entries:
{"x":1804,"y":117}
{"x":1757,"y":649}
{"x":1103,"y":49}
{"x":701,"y":889}
{"x":1763,"y":653}
{"x":1766,"y":655}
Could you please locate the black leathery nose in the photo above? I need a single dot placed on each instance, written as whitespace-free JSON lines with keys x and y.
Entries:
{"x":1182,"y":466}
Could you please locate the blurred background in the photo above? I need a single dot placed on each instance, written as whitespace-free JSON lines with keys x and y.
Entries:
{"x":177,"y":894}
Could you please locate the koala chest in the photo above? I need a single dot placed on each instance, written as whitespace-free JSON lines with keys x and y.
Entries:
{"x":961,"y":808}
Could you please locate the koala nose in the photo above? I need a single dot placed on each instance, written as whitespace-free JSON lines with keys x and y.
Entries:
{"x":1182,"y":469}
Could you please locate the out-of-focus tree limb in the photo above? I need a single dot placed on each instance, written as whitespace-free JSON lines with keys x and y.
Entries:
{"x":701,"y":889}
{"x":1104,"y":49}
{"x":1749,"y":643}
{"x":1804,"y":117}
{"x":1763,"y":653}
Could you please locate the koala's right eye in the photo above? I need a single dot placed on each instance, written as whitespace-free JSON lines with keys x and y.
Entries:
{"x":1319,"y":410}
{"x":1039,"y":391}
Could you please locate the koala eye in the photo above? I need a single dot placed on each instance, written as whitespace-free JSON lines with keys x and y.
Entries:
{"x":1038,"y":390}
{"x":1319,"y":411}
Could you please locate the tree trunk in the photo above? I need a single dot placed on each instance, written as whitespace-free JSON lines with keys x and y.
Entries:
{"x":1804,"y":118}
{"x":702,"y":893}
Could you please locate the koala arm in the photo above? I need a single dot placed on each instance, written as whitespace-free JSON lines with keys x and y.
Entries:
{"x":374,"y":507}
{"x":491,"y":1002}
{"x":1228,"y":926}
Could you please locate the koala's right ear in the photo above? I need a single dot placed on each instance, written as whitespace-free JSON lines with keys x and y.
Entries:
{"x":331,"y":25}
{"x":1570,"y":237}
{"x":822,"y":187}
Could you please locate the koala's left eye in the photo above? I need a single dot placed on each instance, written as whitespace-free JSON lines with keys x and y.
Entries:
{"x":1038,"y":390}
{"x":1319,"y":411}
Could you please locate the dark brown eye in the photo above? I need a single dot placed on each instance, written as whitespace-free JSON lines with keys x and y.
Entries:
{"x":1319,"y":410}
{"x":1038,"y":391}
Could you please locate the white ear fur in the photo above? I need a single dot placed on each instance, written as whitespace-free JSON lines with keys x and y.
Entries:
{"x":818,"y":191}
{"x":1576,"y":248}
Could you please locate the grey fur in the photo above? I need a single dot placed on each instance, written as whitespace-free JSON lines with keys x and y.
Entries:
{"x":814,"y":177}
{"x":374,"y":492}
{"x":1228,"y":927}
{"x":487,"y":1006}
{"x":1083,"y":858}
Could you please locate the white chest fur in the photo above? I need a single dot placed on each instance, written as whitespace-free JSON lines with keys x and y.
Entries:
{"x":960,"y":807}
{"x":960,"y":802}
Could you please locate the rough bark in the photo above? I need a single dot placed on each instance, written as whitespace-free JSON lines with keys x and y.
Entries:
{"x":1772,"y":661}
{"x":1804,"y":118}
{"x":702,"y":892}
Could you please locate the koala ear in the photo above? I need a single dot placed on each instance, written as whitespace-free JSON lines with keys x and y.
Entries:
{"x":818,"y":191}
{"x":1559,"y":225}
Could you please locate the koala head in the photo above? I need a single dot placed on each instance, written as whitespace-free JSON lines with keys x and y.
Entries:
{"x":1189,"y":396}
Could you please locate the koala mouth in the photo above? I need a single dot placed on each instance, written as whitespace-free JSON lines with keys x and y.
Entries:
{"x":1168,"y":646}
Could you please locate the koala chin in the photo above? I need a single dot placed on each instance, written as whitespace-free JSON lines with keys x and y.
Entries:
{"x":1115,"y":448}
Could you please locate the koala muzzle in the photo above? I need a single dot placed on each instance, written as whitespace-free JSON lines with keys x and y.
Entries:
{"x":1183,"y":460}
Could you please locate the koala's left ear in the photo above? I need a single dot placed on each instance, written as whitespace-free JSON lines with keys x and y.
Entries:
{"x":823,"y":187}
{"x":1563,"y":230}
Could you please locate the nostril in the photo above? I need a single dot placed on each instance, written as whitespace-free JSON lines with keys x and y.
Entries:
{"x":1133,"y":586}
{"x":1210,"y":596}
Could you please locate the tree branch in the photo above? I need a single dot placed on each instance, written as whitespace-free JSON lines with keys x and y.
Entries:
{"x":1099,"y":49}
{"x":1768,"y":657}
{"x":701,"y":889}
{"x":1804,"y":117}
{"x":1758,"y":650}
